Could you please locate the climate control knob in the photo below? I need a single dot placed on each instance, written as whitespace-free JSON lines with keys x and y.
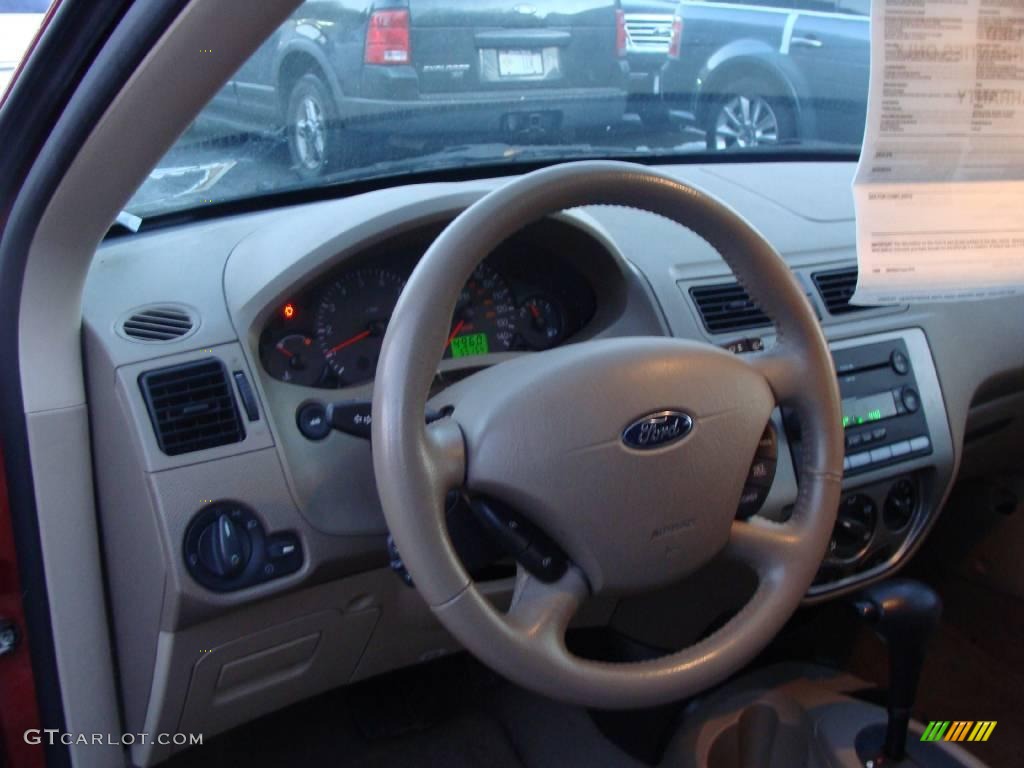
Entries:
{"x":900,"y":504}
{"x":855,"y":527}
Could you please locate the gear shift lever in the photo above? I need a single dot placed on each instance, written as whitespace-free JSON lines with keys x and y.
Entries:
{"x":904,"y":613}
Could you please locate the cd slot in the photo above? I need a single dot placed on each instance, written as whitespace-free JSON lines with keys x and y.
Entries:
{"x":851,"y":369}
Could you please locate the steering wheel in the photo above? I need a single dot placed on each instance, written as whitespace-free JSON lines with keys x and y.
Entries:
{"x":558,"y":437}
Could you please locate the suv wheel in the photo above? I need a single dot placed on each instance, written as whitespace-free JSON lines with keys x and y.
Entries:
{"x":743,"y":118}
{"x":314,"y":139}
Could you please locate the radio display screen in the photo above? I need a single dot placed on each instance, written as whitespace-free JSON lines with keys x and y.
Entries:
{"x":864,"y":410}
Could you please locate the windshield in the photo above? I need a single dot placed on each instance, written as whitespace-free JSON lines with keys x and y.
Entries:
{"x":350,"y":90}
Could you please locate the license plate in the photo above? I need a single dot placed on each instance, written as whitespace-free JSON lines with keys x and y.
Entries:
{"x":524,"y":63}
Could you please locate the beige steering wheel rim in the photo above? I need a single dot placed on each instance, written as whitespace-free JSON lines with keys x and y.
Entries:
{"x":416,"y":466}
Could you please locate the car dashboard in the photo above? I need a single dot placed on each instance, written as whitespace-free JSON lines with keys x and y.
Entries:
{"x":280,"y":314}
{"x":526,"y":296}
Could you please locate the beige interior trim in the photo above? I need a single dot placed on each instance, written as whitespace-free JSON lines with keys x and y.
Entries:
{"x":154,"y":108}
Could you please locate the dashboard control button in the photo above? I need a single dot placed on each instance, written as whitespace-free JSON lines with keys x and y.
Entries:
{"x":921,"y":443}
{"x":855,"y":525}
{"x":762,"y":472}
{"x":742,"y":346}
{"x":312,"y":421}
{"x":530,"y":546}
{"x":354,"y":417}
{"x":854,"y":440}
{"x":247,"y":395}
{"x":899,"y":362}
{"x":846,"y":464}
{"x":396,"y":563}
{"x":900,"y":504}
{"x":283,"y":546}
{"x":879,"y":455}
{"x":504,"y":525}
{"x":902,"y":448}
{"x":911,"y":400}
{"x":546,"y":564}
{"x":878,"y":433}
{"x":224,"y":547}
{"x":768,"y":445}
{"x":859,"y":460}
{"x":751,"y":499}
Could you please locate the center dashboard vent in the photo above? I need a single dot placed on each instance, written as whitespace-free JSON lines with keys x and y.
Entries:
{"x":192,"y":406}
{"x":162,"y":322}
{"x":836,"y":286}
{"x":727,"y":307}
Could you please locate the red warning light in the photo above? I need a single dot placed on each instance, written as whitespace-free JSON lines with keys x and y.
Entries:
{"x":288,"y":311}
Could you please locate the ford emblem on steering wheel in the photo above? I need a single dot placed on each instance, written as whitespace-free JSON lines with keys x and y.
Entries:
{"x":657,"y":429}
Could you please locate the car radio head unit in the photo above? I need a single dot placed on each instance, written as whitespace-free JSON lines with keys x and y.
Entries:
{"x":881,"y":407}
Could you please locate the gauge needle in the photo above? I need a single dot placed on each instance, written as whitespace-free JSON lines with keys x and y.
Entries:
{"x":455,"y":331}
{"x":349,"y":342}
{"x":285,"y":352}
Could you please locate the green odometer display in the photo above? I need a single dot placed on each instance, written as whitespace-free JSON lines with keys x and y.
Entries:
{"x":470,"y":344}
{"x":864,"y":410}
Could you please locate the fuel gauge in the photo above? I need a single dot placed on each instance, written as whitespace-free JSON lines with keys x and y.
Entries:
{"x":294,"y":358}
{"x":540,"y":323}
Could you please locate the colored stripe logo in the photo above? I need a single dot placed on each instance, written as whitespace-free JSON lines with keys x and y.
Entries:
{"x":958,"y":730}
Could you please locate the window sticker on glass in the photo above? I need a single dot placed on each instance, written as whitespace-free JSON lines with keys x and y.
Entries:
{"x":940,"y":184}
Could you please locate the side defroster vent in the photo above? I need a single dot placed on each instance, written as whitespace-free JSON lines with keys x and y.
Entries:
{"x":727,"y":307}
{"x":165,"y":322}
{"x":836,"y":286}
{"x":192,"y":406}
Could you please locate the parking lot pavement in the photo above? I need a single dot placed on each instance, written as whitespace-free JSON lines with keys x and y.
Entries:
{"x":207,"y":166}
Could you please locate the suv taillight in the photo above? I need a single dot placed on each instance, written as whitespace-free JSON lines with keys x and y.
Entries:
{"x":620,"y":33}
{"x":387,"y":38}
{"x":676,"y":43}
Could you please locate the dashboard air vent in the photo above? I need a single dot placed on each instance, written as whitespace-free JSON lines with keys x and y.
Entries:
{"x":191,"y":406}
{"x":836,"y":286}
{"x":158,"y":323}
{"x":727,"y":307}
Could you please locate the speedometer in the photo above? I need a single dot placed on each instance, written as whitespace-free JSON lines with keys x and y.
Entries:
{"x":351,"y":318}
{"x":485,"y":316}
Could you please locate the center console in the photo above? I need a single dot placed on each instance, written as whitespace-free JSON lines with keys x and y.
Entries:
{"x":899,"y":455}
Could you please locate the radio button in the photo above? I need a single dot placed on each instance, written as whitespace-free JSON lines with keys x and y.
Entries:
{"x":881,"y":454}
{"x":902,"y":448}
{"x":852,"y":441}
{"x":859,"y":460}
{"x":899,"y":362}
{"x":921,"y":443}
{"x":878,"y":433}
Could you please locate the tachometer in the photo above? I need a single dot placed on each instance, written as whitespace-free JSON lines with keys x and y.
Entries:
{"x":485,"y":316}
{"x":351,"y":318}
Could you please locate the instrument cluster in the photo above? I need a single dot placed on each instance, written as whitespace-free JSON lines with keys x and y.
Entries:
{"x":520,"y":298}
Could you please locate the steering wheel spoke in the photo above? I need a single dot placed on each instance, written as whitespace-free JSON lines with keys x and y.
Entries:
{"x":445,"y":451}
{"x":783,"y":369}
{"x":762,"y":543}
{"x":542,"y":611}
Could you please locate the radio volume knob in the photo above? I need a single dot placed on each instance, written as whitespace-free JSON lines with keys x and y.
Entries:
{"x":899,"y":362}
